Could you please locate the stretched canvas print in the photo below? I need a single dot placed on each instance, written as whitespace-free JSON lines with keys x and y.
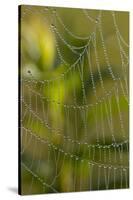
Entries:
{"x":73,"y":100}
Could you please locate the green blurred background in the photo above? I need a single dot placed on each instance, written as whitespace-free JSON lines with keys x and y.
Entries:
{"x":74,"y":117}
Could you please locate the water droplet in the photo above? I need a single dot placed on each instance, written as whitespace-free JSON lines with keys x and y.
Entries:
{"x":29,"y":72}
{"x":96,"y":20}
{"x":52,"y":25}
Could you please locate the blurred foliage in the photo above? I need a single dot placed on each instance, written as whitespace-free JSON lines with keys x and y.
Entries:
{"x":55,"y":118}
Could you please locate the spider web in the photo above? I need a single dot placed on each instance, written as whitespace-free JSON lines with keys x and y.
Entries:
{"x":74,"y":122}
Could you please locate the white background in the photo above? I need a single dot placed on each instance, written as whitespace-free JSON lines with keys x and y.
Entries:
{"x":9,"y":97}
